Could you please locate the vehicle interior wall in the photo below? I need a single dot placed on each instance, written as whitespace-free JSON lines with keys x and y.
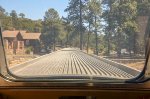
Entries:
{"x":72,"y":94}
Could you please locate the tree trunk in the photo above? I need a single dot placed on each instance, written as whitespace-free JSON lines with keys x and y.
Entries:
{"x":61,"y":43}
{"x":81,"y":33}
{"x":96,"y":37}
{"x":119,"y":36}
{"x":54,"y":40}
{"x":119,"y":43}
{"x":88,"y":39}
{"x":67,"y":40}
{"x":130,"y":50}
{"x":108,"y":44}
{"x":134,"y":44}
{"x":109,"y":27}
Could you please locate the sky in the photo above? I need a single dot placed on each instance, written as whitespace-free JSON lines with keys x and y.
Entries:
{"x":34,"y":9}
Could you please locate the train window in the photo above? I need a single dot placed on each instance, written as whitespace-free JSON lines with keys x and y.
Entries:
{"x":74,"y":40}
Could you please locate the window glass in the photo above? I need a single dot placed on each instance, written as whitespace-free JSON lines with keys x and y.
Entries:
{"x":75,"y":38}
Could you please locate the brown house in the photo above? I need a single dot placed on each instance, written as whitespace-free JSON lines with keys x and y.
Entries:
{"x":16,"y":41}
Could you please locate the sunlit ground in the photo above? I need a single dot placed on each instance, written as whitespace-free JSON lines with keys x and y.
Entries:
{"x":18,"y":59}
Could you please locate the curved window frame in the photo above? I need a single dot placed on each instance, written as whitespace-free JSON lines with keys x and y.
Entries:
{"x":7,"y":75}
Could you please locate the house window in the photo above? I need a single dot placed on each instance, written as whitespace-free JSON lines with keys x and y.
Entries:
{"x":21,"y":45}
{"x":10,"y":45}
{"x":27,"y":42}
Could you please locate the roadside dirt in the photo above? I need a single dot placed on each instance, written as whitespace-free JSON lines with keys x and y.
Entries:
{"x":137,"y":65}
{"x":18,"y":59}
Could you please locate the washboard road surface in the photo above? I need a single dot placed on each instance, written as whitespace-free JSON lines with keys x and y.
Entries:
{"x":73,"y":62}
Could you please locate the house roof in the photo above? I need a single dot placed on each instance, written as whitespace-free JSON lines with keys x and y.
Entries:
{"x":24,"y":34}
{"x":10,"y":34}
{"x":31,"y":35}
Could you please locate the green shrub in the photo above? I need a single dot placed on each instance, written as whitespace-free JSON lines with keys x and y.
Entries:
{"x":29,"y":49}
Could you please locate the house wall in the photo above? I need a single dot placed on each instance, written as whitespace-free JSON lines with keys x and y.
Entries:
{"x":34,"y":43}
{"x":17,"y":44}
{"x":13,"y":46}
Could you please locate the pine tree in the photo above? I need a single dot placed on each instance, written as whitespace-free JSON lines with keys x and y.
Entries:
{"x":125,"y":12}
{"x":51,"y":27}
{"x":76,"y":13}
{"x":14,"y":18}
{"x":97,"y":11}
{"x":109,"y":26}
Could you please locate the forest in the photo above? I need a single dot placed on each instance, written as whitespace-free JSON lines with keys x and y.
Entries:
{"x":103,"y":27}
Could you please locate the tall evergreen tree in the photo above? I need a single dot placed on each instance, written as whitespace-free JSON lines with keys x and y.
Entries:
{"x":51,"y":27}
{"x":2,"y":11}
{"x":143,"y":7}
{"x":14,"y":18}
{"x":125,"y":13}
{"x":76,"y":13}
{"x":95,"y":7}
{"x":109,"y":23}
{"x":68,"y":28}
{"x":22,"y":15}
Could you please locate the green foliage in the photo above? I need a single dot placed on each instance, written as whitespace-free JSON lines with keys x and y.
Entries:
{"x":104,"y":26}
{"x":120,"y":17}
{"x":12,"y":21}
{"x":143,"y":7}
{"x":76,"y":14}
{"x":29,"y":50}
{"x":22,"y":15}
{"x":53,"y":29}
{"x":2,"y":11}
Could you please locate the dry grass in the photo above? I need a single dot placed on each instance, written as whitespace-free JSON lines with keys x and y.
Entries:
{"x":137,"y":65}
{"x":18,"y":61}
